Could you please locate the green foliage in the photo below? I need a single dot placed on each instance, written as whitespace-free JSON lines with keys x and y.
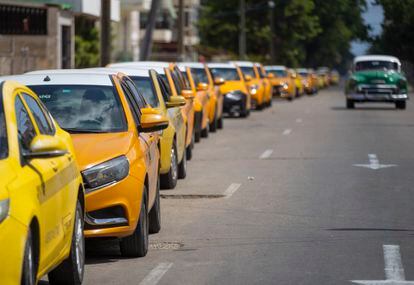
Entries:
{"x":397,"y":36}
{"x":86,"y":44}
{"x":311,"y":32}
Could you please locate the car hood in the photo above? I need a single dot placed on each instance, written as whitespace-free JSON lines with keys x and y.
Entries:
{"x":377,"y":77}
{"x":92,"y":149}
{"x":232,"y":86}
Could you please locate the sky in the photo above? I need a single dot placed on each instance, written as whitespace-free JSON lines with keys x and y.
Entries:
{"x":374,"y":17}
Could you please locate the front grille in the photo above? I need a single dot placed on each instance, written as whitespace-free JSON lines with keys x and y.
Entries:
{"x":382,"y":90}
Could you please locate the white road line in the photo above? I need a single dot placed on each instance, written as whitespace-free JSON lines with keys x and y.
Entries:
{"x":394,"y":269}
{"x":287,"y":132}
{"x":298,"y":120}
{"x":266,"y":154}
{"x":231,"y":190}
{"x":156,"y":274}
{"x":374,"y":163}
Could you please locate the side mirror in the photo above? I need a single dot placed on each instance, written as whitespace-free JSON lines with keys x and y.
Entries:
{"x":202,"y":86}
{"x":219,"y":81}
{"x":187,"y":94}
{"x":248,"y":78}
{"x":44,"y":146}
{"x":270,"y":75}
{"x":152,"y":122}
{"x":176,"y":101}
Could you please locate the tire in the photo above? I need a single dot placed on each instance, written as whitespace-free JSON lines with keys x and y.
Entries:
{"x":136,"y":245}
{"x":155,"y":213}
{"x":197,"y":131}
{"x":269,"y":104}
{"x":400,"y":105}
{"x":189,"y":152}
{"x":350,"y":104}
{"x":29,"y":270}
{"x":169,"y":180}
{"x":204,"y":132}
{"x":259,"y":107}
{"x":290,"y":99}
{"x":213,"y":125}
{"x":71,"y":270}
{"x":182,"y":167}
{"x":220,"y":123}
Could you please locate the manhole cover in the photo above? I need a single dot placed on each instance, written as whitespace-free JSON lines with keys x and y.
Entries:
{"x":191,"y":196}
{"x":171,"y":245}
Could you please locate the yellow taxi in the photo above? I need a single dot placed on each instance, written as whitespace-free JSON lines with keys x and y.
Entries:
{"x":41,"y":194}
{"x":323,"y":72}
{"x":255,"y":84}
{"x":335,"y":77}
{"x":308,"y":81}
{"x":233,"y":87}
{"x":283,"y":85}
{"x":115,"y":135}
{"x":201,"y":102}
{"x":268,"y":88}
{"x":297,"y":79}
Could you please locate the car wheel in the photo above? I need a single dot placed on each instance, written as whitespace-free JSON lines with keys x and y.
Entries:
{"x":290,"y":99}
{"x":400,"y":105}
{"x":197,"y":132}
{"x":220,"y":123}
{"x":29,"y":270}
{"x":155,"y":213}
{"x":136,"y":245}
{"x":213,"y":125}
{"x":259,"y":107}
{"x":204,"y":132}
{"x":169,"y":180}
{"x":350,"y":104}
{"x":71,"y":270}
{"x":182,"y":167}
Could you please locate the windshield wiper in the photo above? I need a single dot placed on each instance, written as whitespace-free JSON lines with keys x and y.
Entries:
{"x":83,"y":131}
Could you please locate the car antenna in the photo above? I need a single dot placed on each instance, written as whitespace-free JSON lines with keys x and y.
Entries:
{"x":47,"y":78}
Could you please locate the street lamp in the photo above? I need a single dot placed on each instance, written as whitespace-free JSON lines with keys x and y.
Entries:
{"x":271,"y":5}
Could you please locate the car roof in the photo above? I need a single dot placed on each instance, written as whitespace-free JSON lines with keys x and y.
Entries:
{"x":242,"y":63}
{"x":275,"y":67}
{"x":66,"y":78}
{"x":221,"y":65}
{"x":377,"y":57}
{"x":161,"y":64}
{"x":130,"y":71}
{"x":302,"y":70}
{"x":190,"y":64}
{"x":133,"y":65}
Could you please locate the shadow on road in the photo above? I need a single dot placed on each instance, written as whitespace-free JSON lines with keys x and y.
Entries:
{"x":370,"y":230}
{"x":342,"y":108}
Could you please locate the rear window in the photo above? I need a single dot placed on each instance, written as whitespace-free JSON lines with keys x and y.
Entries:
{"x":144,"y":85}
{"x":228,"y":74}
{"x":84,"y":108}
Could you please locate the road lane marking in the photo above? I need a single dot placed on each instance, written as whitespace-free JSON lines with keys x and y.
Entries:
{"x":287,"y":132}
{"x":266,"y":154}
{"x":374,"y":163}
{"x":298,"y":120}
{"x":231,"y":190}
{"x":156,"y":274}
{"x":393,"y":267}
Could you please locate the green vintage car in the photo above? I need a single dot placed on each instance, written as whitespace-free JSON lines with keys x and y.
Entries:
{"x":376,"y":78}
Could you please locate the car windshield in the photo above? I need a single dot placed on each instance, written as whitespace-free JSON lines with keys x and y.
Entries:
{"x":303,"y":74}
{"x":144,"y":85}
{"x":248,"y":71}
{"x":228,"y":74}
{"x":3,"y":132}
{"x":376,"y":65}
{"x":200,"y":74}
{"x":83,"y":108}
{"x":278,"y":72}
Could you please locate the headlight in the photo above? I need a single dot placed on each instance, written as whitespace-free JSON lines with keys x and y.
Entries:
{"x":105,"y":173}
{"x":253,"y":89}
{"x":4,"y":209}
{"x":285,"y":86}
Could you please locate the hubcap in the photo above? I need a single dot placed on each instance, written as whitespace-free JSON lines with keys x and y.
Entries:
{"x":79,"y":243}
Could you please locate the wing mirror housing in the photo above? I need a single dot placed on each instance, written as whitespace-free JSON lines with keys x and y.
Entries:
{"x":187,"y":94}
{"x":219,"y":81}
{"x":44,"y":146}
{"x":202,"y":86}
{"x":248,"y":78}
{"x":270,"y":75}
{"x":176,"y":101}
{"x":152,"y":121}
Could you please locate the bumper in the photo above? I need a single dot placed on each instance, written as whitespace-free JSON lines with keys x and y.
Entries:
{"x":377,"y":97}
{"x":113,"y":211}
{"x":12,"y":243}
{"x":234,"y":102}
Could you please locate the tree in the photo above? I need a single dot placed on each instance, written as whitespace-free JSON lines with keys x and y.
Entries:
{"x":86,"y":43}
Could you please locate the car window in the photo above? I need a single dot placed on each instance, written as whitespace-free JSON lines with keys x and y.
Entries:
{"x":142,"y":103}
{"x":25,"y":128}
{"x":183,"y":80}
{"x":278,"y":72}
{"x":225,"y":73}
{"x":200,"y":74}
{"x":248,"y":71}
{"x":376,"y":65}
{"x":4,"y":148}
{"x":165,"y":87}
{"x":84,"y":108}
{"x":176,"y":83}
{"x":145,"y":86}
{"x":43,"y":122}
{"x":133,"y":104}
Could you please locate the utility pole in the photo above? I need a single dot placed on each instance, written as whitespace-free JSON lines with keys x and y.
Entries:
{"x":105,"y":32}
{"x":180,"y":40}
{"x":147,"y":41}
{"x":242,"y":30}
{"x":271,"y":5}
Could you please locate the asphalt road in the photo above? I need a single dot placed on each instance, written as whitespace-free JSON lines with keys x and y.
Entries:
{"x":276,"y":199}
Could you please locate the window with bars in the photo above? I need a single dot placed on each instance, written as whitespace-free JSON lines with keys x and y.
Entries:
{"x":21,"y":20}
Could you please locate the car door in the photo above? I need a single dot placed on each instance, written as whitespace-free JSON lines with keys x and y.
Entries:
{"x":63,"y":166}
{"x":44,"y":181}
